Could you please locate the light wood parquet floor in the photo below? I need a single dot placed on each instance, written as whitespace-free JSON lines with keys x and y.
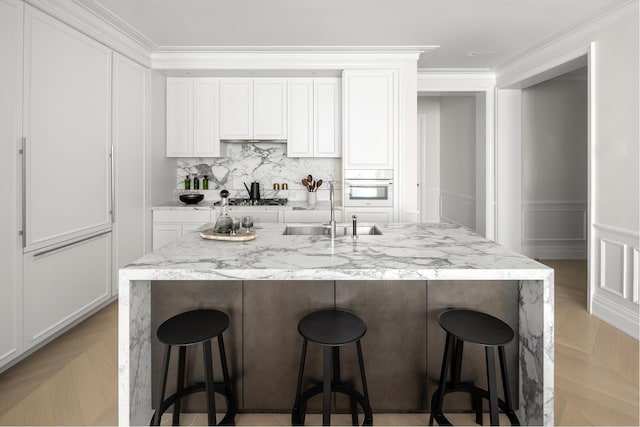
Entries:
{"x":73,"y":380}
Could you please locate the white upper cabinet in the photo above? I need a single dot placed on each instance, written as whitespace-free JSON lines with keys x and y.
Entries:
{"x":270,"y":109}
{"x":192,"y":117}
{"x":253,"y":108}
{"x":314,"y":118}
{"x":236,"y":108}
{"x":327,"y":117}
{"x":370,"y":102}
{"x":300,"y":141}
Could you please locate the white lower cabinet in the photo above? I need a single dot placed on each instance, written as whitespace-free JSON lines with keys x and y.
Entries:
{"x":259,"y":215}
{"x":170,"y":225}
{"x":63,"y":284}
{"x":315,"y":216}
{"x":376,"y":215}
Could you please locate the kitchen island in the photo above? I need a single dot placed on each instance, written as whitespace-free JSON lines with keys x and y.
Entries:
{"x":445,"y":264}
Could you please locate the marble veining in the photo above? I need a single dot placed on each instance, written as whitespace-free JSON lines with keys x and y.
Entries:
{"x":266,"y":163}
{"x":403,"y":252}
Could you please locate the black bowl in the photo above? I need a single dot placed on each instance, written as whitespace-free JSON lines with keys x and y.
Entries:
{"x":191,"y":198}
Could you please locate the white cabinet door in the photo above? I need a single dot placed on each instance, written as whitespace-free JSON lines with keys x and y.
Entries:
{"x":301,"y":112}
{"x":370,"y":102}
{"x":64,"y":283}
{"x":259,"y":215}
{"x":236,"y":108}
{"x":192,"y":117}
{"x":67,"y":124}
{"x":10,"y":185}
{"x":165,"y":233}
{"x":270,"y":108}
{"x":128,"y":121}
{"x":179,"y":117}
{"x":327,"y":117}
{"x":375,"y":215}
{"x":206,"y":139}
{"x":169,"y":225}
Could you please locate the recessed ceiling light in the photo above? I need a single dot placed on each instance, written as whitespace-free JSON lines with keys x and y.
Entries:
{"x":186,"y":73}
{"x":473,"y":53}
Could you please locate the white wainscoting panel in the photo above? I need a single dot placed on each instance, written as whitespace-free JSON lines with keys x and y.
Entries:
{"x":458,"y":209}
{"x":615,"y":295}
{"x":635,"y":274}
{"x":554,"y":229}
{"x":612,"y":268}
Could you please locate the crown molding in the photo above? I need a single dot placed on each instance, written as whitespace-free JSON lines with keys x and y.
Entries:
{"x":578,"y":26}
{"x":485,"y":73}
{"x":100,"y":28}
{"x":283,"y":57}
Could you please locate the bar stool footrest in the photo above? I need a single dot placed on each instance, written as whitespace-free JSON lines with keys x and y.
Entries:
{"x":299,"y":410}
{"x":232,"y":407}
{"x":475,"y":392}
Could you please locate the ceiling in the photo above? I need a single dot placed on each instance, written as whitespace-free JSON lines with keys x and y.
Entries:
{"x":469,"y":33}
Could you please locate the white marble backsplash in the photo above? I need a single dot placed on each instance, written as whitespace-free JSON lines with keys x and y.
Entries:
{"x":266,"y":163}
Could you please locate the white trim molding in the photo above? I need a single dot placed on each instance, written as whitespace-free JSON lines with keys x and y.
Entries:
{"x":554,"y":229}
{"x":615,"y":296}
{"x":100,"y":26}
{"x":458,"y":209}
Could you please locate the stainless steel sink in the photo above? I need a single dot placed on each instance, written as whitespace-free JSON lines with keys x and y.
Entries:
{"x":322,"y":230}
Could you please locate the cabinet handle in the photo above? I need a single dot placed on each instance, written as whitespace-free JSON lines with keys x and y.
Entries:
{"x":23,"y":152}
{"x":113,"y":184}
{"x":48,"y":251}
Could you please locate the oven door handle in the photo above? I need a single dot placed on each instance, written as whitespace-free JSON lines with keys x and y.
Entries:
{"x":367,"y":183}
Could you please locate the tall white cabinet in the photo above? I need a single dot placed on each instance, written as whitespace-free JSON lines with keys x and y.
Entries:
{"x":129,"y":136}
{"x":67,"y":126}
{"x":370,"y":103}
{"x":10,"y":171}
{"x":72,"y":169}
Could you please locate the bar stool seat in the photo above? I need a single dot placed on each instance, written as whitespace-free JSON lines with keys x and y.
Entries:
{"x":188,"y":329}
{"x":477,"y":328}
{"x":332,"y":329}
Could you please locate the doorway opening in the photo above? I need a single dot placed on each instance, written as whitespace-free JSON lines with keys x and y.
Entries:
{"x":452,"y":158}
{"x":555,"y":188}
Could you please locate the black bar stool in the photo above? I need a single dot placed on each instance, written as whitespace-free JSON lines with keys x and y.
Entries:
{"x":332,"y":329}
{"x":490,"y":332}
{"x":184,"y":330}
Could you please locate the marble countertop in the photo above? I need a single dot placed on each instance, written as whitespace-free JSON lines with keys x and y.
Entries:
{"x":208,"y":204}
{"x":403,"y":252}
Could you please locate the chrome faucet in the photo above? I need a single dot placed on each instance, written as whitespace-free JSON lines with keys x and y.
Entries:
{"x":332,"y":221}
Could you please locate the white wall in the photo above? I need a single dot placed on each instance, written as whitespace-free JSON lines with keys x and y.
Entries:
{"x":429,"y":158}
{"x":554,"y":168}
{"x":458,"y":160}
{"x":614,"y":135}
{"x":161,"y":169}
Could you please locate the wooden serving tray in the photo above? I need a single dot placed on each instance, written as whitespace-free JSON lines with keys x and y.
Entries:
{"x":240,"y":237}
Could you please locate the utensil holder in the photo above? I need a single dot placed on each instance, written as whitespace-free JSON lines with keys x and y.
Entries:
{"x":312,"y":198}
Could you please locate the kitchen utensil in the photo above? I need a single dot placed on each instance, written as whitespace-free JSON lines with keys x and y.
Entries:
{"x":318,"y":184}
{"x":254,"y":192}
{"x":305,"y":182}
{"x":191,"y":198}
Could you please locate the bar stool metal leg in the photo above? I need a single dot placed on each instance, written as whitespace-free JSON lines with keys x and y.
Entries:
{"x":165,"y":364}
{"x":326,"y":388}
{"x":491,"y":385}
{"x":296,"y":405}
{"x":505,"y":383}
{"x":443,"y":378}
{"x":368,"y":416}
{"x":209,"y":384}
{"x":182,"y":352}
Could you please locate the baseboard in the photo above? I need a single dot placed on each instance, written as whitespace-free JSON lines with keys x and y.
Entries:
{"x":555,"y":252}
{"x":617,"y":315}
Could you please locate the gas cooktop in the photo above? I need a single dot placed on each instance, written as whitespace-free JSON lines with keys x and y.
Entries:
{"x":260,"y":202}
